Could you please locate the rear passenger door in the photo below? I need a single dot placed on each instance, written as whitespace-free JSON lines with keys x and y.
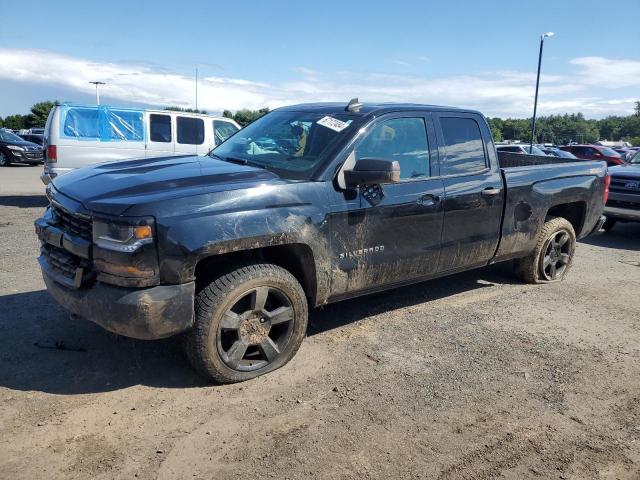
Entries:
{"x":160,"y":141}
{"x":474,"y":193}
{"x":190,"y":137}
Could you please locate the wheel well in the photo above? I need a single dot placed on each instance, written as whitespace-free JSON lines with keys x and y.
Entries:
{"x":573,"y":212}
{"x":296,"y":258}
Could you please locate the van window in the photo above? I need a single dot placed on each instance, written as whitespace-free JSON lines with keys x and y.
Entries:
{"x":103,"y":123}
{"x":82,"y":122}
{"x":223,"y":130}
{"x":160,"y":128}
{"x":463,"y":145}
{"x":190,"y":130}
{"x":400,"y":139}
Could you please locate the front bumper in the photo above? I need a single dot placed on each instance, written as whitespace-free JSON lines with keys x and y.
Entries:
{"x":144,"y":313}
{"x":626,"y":214}
{"x":31,"y":157}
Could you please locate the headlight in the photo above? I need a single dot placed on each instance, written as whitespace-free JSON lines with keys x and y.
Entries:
{"x":122,"y":237}
{"x":15,"y":147}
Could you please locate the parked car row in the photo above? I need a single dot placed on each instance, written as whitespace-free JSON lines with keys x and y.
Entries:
{"x":582,"y":152}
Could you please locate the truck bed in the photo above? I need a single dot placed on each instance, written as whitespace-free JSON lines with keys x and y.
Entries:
{"x":511,"y":160}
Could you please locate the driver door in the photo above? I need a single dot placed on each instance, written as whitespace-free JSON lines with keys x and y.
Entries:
{"x":389,"y":234}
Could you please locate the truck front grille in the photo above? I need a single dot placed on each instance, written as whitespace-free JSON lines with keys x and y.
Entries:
{"x":73,"y":223}
{"x":625,"y":185}
{"x":72,"y":268}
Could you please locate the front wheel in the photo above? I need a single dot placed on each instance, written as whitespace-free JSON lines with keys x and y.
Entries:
{"x":248,"y":322}
{"x":4,"y":160}
{"x":552,"y":257}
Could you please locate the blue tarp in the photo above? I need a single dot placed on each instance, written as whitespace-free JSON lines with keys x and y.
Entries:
{"x":102,"y":123}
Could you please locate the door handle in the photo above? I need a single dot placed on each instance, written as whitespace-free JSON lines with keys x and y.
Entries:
{"x":428,"y":200}
{"x":490,"y":191}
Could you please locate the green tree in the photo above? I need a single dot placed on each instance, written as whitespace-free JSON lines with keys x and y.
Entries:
{"x":15,"y":122}
{"x":244,"y":117}
{"x":637,"y":109}
{"x":186,"y":110}
{"x":1,"y":122}
{"x":39,"y":113}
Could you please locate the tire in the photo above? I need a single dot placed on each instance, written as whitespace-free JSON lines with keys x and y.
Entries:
{"x":608,"y":224}
{"x":552,"y":257}
{"x":4,"y":160}
{"x":248,"y":322}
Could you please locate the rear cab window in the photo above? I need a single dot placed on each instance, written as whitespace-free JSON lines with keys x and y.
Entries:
{"x":464,"y":147}
{"x":190,"y":130}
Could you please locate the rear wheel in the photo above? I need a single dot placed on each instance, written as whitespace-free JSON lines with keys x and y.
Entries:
{"x":4,"y":160}
{"x":552,"y":257}
{"x":248,"y":322}
{"x":608,"y":224}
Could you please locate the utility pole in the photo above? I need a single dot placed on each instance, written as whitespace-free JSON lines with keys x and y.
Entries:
{"x":196,"y":89}
{"x":97,"y":84}
{"x":535,"y":101}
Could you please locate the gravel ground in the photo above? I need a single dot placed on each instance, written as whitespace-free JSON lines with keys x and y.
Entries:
{"x":470,"y":377}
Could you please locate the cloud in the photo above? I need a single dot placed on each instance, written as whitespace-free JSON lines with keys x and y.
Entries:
{"x":608,"y":73}
{"x":496,"y":93}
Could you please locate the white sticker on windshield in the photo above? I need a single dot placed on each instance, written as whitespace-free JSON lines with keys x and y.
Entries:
{"x":333,"y":123}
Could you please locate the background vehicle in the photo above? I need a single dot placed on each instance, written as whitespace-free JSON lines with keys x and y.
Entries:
{"x":556,"y":152}
{"x":333,"y":203}
{"x":14,"y":149}
{"x":595,"y":152}
{"x":523,"y":149}
{"x":625,"y":153}
{"x":37,"y":138}
{"x":79,"y":135}
{"x":624,"y":197}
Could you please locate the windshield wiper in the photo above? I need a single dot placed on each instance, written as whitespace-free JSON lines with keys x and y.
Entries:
{"x":241,"y":161}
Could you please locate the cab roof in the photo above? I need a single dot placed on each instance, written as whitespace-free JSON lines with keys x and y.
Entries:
{"x":371,"y":108}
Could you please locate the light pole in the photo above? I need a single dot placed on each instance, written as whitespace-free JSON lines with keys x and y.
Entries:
{"x":97,"y":84}
{"x":535,"y":101}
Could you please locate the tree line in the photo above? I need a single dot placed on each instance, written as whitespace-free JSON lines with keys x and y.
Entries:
{"x":562,"y":129}
{"x":557,"y":129}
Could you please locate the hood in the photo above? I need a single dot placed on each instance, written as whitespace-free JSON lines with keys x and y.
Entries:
{"x":25,"y":144}
{"x":628,"y":170}
{"x":113,"y":187}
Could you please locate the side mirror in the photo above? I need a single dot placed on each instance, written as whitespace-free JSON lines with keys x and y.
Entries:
{"x":597,"y":155}
{"x":371,"y":171}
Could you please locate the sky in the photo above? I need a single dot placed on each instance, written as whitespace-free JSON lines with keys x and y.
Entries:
{"x":251,"y":54}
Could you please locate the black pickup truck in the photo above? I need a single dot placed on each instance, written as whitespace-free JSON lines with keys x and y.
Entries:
{"x":308,"y":205}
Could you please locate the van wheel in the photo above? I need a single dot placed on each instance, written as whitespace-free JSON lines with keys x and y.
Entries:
{"x":551,"y":259}
{"x":247,"y":323}
{"x":4,"y":160}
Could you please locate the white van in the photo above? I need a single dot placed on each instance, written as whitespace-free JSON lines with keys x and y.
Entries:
{"x":79,"y":135}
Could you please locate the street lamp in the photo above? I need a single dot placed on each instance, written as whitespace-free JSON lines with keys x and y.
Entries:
{"x":535,"y":101}
{"x":97,"y":84}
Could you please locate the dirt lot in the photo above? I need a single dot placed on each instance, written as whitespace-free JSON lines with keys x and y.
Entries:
{"x":471,"y":377}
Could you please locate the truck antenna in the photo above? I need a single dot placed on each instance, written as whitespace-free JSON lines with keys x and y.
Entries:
{"x":354,"y":105}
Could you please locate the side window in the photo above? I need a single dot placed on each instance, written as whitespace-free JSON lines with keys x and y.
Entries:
{"x":223,"y":130}
{"x":400,"y":139}
{"x":463,"y":144}
{"x":82,"y":123}
{"x":190,"y":130}
{"x":159,"y":128}
{"x":124,"y":125}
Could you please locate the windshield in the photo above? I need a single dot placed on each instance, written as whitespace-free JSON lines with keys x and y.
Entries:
{"x":291,"y":144}
{"x":6,"y":136}
{"x":636,"y":158}
{"x":609,"y":152}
